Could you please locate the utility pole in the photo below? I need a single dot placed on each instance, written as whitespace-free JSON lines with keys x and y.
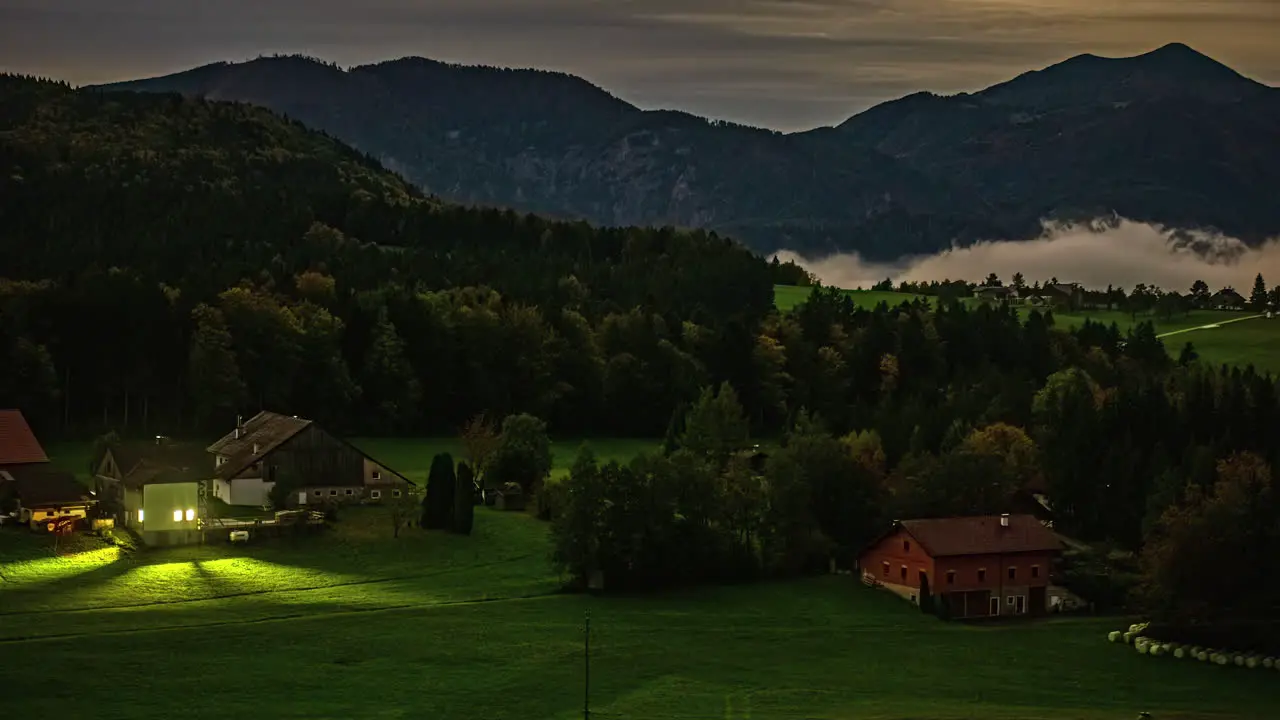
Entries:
{"x":586,"y":656}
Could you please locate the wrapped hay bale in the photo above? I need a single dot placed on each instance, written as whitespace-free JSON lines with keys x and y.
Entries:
{"x":1114,"y":636}
{"x":1179,"y":653}
{"x":1268,"y":663}
{"x":1251,"y":663}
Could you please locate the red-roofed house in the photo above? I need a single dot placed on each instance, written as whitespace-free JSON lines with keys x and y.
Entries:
{"x":978,"y":566}
{"x":31,"y":491}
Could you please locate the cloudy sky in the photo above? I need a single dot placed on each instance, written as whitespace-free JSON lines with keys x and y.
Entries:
{"x":787,"y":64}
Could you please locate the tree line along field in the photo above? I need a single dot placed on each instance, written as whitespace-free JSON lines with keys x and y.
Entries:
{"x":1242,"y":339}
{"x":356,"y":624}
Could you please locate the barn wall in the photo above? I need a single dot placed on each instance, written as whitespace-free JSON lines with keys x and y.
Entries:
{"x":314,"y":458}
{"x":249,"y":491}
{"x":902,"y":554}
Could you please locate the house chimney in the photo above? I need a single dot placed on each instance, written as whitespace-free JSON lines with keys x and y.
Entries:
{"x":1004,"y":520}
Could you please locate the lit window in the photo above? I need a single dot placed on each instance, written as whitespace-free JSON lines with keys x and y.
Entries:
{"x":177,"y":516}
{"x":140,"y":515}
{"x":191,"y":515}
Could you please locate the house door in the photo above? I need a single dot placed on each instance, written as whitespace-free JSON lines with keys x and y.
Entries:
{"x":1020,"y":604}
{"x":995,"y":606}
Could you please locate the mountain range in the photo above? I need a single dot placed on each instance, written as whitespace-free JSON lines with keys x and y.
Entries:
{"x":1170,"y":137}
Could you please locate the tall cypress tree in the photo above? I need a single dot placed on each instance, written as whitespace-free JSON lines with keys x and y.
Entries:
{"x":464,"y":500}
{"x":437,"y":507}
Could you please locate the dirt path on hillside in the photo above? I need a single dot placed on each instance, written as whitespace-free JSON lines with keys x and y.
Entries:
{"x":1210,"y":326}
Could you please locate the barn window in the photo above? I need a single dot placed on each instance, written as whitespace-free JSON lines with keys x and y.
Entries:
{"x":317,"y":493}
{"x":348,"y":492}
{"x":951,"y":577}
{"x":903,"y":572}
{"x":395,"y":493}
{"x":377,"y":475}
{"x":1009,"y":601}
{"x":333,"y":493}
{"x":1035,"y":571}
{"x":982,"y":574}
{"x":885,"y":567}
{"x":1013,"y":573}
{"x":375,"y":494}
{"x":906,"y":546}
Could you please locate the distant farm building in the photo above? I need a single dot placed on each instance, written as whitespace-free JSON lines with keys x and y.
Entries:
{"x":977,"y":566}
{"x":318,"y":467}
{"x":31,"y":491}
{"x":1227,"y":299}
{"x":174,"y":493}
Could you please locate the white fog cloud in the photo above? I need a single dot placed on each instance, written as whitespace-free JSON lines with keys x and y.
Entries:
{"x":1122,"y":253}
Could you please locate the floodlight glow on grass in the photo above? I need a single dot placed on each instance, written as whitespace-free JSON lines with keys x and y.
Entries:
{"x":177,"y":516}
{"x":191,"y":515}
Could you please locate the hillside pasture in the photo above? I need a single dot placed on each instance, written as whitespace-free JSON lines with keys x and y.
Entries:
{"x":787,"y":297}
{"x":1221,"y":337}
{"x":355,"y":624}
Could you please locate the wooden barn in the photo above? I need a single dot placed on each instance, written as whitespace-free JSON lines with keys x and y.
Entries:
{"x":978,"y":566}
{"x":316,"y":466}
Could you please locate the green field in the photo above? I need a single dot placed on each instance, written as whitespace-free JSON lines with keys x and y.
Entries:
{"x":786,"y":297}
{"x":355,"y":624}
{"x":1242,"y":338}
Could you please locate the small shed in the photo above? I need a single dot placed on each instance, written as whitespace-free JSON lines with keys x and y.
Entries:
{"x":509,"y":497}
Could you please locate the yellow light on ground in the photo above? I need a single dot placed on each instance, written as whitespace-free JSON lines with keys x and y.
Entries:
{"x":177,"y":516}
{"x":140,"y":515}
{"x":191,"y":515}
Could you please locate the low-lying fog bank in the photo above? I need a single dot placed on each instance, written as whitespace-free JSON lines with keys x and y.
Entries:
{"x":1122,"y":254}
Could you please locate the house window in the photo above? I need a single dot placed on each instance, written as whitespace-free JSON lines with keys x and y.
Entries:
{"x":316,"y":493}
{"x":141,"y":515}
{"x":982,"y":574}
{"x":177,"y":516}
{"x":255,"y":448}
{"x":1035,"y":571}
{"x":376,"y":475}
{"x":1009,"y":601}
{"x":1013,"y":573}
{"x":906,"y":546}
{"x":903,"y":573}
{"x":951,"y":577}
{"x":885,"y":568}
{"x":395,"y":493}
{"x":218,"y":460}
{"x":333,"y":493}
{"x":348,"y":492}
{"x":375,"y":494}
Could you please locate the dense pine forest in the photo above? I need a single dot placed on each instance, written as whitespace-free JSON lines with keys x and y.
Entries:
{"x":169,"y":263}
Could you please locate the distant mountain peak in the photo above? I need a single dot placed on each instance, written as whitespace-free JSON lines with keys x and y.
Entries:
{"x":1170,"y":71}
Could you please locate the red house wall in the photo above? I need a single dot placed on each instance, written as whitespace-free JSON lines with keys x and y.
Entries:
{"x":899,"y":549}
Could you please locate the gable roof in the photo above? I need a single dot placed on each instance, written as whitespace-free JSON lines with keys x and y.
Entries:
{"x":39,"y":486}
{"x":18,"y":445}
{"x":981,"y":535}
{"x":262,"y":434}
{"x":136,"y":458}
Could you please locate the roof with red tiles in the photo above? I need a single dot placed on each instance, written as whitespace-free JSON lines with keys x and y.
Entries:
{"x":981,"y":535}
{"x":18,"y":445}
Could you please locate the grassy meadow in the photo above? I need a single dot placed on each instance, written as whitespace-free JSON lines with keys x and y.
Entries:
{"x":355,"y":624}
{"x":1240,"y":338}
